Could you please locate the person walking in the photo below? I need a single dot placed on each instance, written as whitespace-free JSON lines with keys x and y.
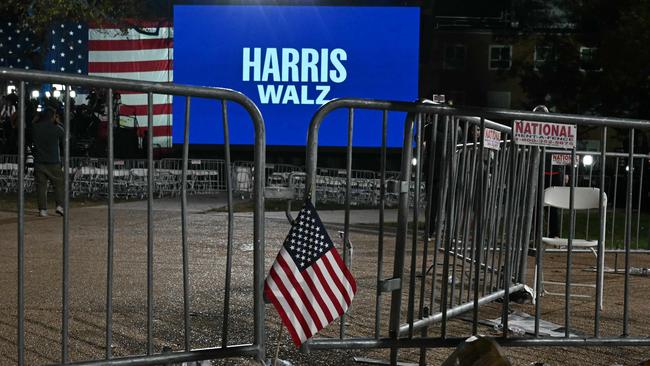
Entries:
{"x":48,"y":136}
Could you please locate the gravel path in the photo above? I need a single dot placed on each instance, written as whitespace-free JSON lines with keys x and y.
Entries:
{"x":207,"y":233}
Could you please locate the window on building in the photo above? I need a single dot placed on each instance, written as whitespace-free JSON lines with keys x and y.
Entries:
{"x":500,"y":57}
{"x":543,"y":54}
{"x":454,"y":57}
{"x":589,"y":59}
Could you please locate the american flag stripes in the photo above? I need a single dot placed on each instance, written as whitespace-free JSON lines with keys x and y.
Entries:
{"x":309,"y":284}
{"x":144,"y":54}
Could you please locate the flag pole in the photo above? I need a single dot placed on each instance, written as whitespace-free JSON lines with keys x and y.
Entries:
{"x":277,"y":348}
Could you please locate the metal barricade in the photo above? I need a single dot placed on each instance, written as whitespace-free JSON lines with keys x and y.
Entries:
{"x":145,"y":173}
{"x":471,"y":243}
{"x":8,"y":173}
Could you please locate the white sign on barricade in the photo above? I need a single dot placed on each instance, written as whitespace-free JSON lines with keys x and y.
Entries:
{"x":545,"y":134}
{"x":492,"y":139}
{"x":563,"y":159}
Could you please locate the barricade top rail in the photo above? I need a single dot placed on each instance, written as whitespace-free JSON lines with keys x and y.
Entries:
{"x":397,"y":106}
{"x":136,"y":85}
{"x":463,"y":112}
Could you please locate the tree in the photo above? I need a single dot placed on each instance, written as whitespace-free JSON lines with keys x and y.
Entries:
{"x":38,"y":16}
{"x":611,"y":76}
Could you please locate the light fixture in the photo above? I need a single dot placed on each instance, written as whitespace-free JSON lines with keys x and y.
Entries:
{"x":414,"y":161}
{"x":35,"y":94}
{"x":56,"y":93}
{"x":11,"y":89}
{"x":48,"y":94}
{"x":73,"y":94}
{"x":587,"y":160}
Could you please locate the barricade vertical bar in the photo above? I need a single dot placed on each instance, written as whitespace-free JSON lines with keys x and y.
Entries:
{"x":569,"y":256}
{"x":539,"y":251}
{"x":614,"y":214}
{"x":493,"y":182}
{"x":628,"y":234}
{"x":514,"y":222}
{"x":21,"y":224}
{"x":423,"y":334}
{"x":467,"y":197}
{"x":453,"y":229}
{"x":564,"y":179}
{"x":463,"y":175}
{"x":638,"y":208}
{"x":186,"y":284}
{"x":530,"y":202}
{"x":451,"y":169}
{"x":519,"y":206}
{"x":602,"y":215}
{"x":231,"y":218}
{"x":626,"y":217}
{"x":506,"y":276}
{"x":423,"y":311}
{"x":414,"y":241}
{"x":591,"y":168}
{"x":66,"y":226}
{"x":382,"y":204}
{"x":258,"y":229}
{"x":150,"y":168}
{"x":442,"y":197}
{"x":346,"y":229}
{"x":455,"y":208}
{"x":111,"y":228}
{"x":429,"y":154}
{"x":469,"y":207}
{"x":479,"y":224}
{"x":499,"y":211}
{"x":494,"y":209}
{"x":507,"y":215}
{"x":485,"y":249}
{"x":402,"y":228}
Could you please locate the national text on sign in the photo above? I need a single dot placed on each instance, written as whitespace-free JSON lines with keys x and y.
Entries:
{"x":532,"y":128}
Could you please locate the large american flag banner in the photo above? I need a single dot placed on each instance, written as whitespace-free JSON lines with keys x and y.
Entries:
{"x":309,"y":284}
{"x":142,"y":53}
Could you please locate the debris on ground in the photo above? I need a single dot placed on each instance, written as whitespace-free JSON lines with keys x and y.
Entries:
{"x":520,"y":323}
{"x":477,"y":351}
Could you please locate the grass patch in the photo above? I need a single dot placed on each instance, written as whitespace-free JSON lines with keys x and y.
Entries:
{"x":585,"y":224}
{"x":589,"y":224}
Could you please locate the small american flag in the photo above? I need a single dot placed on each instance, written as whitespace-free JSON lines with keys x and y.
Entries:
{"x":309,"y":284}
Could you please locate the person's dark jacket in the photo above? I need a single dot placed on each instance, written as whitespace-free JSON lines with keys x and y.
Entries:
{"x":48,"y":141}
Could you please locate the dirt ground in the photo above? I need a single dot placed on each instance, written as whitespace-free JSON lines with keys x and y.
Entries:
{"x":207,"y":231}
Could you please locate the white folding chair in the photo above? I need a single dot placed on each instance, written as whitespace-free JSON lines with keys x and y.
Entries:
{"x":584,"y":198}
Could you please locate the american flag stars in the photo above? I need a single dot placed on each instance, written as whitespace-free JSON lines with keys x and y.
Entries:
{"x":305,"y":242}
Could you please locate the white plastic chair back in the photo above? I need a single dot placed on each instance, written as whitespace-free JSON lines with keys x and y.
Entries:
{"x":584,"y":197}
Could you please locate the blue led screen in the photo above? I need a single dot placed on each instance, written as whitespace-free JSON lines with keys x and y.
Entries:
{"x":290,"y":60}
